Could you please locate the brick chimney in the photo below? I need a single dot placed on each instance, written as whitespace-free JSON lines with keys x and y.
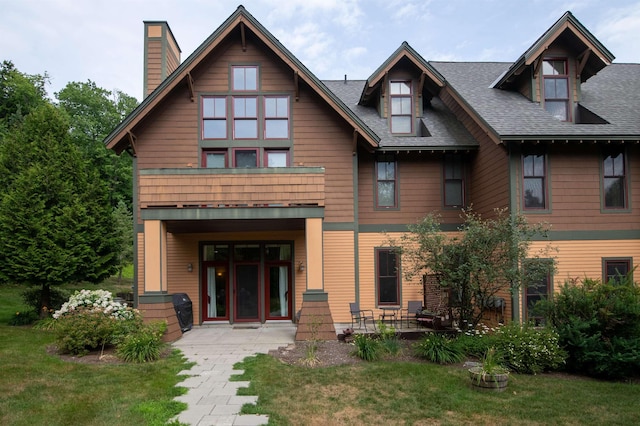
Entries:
{"x":161,"y":54}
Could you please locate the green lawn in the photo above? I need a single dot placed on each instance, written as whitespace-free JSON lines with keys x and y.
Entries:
{"x":404,"y":393}
{"x":37,"y":388}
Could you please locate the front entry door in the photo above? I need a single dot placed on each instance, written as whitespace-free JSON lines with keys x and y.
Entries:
{"x":247,"y":292}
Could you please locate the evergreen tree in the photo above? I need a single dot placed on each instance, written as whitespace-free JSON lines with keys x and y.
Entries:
{"x":56,"y":225}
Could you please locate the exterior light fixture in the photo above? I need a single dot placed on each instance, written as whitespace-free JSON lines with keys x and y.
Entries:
{"x":189,"y":267}
{"x":301,"y":267}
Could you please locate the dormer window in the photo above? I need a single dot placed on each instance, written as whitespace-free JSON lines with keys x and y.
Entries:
{"x":401,"y":101}
{"x":556,"y":88}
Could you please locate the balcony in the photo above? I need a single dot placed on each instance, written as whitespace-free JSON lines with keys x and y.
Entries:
{"x":231,"y":188}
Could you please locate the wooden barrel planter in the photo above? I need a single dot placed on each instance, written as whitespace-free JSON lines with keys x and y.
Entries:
{"x":480,"y":380}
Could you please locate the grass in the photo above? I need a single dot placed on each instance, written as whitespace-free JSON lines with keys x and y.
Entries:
{"x":422,"y":393}
{"x":39,"y":388}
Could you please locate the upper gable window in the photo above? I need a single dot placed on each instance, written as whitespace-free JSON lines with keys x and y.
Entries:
{"x":276,"y":117}
{"x":214,"y":117}
{"x":401,"y":100}
{"x":245,"y":78}
{"x":556,"y":88}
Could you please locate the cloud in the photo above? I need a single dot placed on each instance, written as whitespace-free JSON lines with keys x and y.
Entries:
{"x":615,"y":30}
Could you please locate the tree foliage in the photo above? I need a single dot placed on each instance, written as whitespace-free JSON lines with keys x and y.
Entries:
{"x":93,"y":113}
{"x":19,"y":94}
{"x":482,"y":260}
{"x":56,"y":224}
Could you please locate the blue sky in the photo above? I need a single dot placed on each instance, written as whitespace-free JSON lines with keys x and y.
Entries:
{"x":101,"y":40}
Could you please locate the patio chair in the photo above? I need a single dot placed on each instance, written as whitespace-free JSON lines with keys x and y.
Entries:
{"x":408,"y":314}
{"x":361,"y":316}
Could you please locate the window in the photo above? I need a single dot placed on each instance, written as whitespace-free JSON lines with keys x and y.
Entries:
{"x":386,"y":175}
{"x":538,"y":287}
{"x":276,"y":117}
{"x":276,"y":158}
{"x":453,"y":181}
{"x":401,"y":116}
{"x":534,"y":185}
{"x":245,"y":78}
{"x":214,"y":117}
{"x":616,"y":269}
{"x":214,"y":159}
{"x":387,"y":276}
{"x":556,"y":88}
{"x":614,"y":181}
{"x":245,"y":118}
{"x":247,"y":158}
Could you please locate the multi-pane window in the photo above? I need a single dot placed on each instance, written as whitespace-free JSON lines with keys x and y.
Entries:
{"x":534,"y":184}
{"x":614,"y":181}
{"x":387,"y":277}
{"x":214,"y":159}
{"x":214,"y":117}
{"x":556,"y":88}
{"x":537,"y":288}
{"x":245,"y":118}
{"x":276,"y":117}
{"x":245,"y":78}
{"x":245,"y":158}
{"x":453,"y":181}
{"x":616,"y":269}
{"x":401,"y":116}
{"x":386,"y":182}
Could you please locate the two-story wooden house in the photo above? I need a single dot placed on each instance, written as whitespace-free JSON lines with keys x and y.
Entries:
{"x":261,"y":191}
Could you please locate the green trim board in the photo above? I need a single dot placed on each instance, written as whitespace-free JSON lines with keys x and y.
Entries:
{"x":623,"y":234}
{"x":233,"y":171}
{"x":315,"y":296}
{"x":356,"y":218}
{"x":338,"y":226}
{"x":232,"y":213}
{"x":152,"y":298}
{"x":444,"y":227}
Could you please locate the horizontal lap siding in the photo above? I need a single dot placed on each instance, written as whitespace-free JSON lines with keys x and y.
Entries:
{"x":580,"y":259}
{"x":576,"y":188}
{"x":339,"y":276}
{"x":419,"y":191}
{"x":489,"y":180}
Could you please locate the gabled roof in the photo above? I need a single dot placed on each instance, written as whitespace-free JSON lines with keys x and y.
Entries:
{"x":121,"y":137}
{"x":377,"y":79}
{"x":613,"y":94}
{"x":568,"y":30}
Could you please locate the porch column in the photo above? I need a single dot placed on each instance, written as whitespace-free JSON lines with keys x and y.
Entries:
{"x":315,"y":320}
{"x":155,"y":256}
{"x":155,"y":302}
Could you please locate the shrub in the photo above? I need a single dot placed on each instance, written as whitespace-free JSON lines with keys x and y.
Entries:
{"x":476,"y":342}
{"x":83,"y":331}
{"x":23,"y":318}
{"x":96,"y":300}
{"x":367,"y":348}
{"x":144,"y":345}
{"x":438,"y":348}
{"x":526,"y":349}
{"x":388,"y":337}
{"x":599,"y":326}
{"x":32,"y":295}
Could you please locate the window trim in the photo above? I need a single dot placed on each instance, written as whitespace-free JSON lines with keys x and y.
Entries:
{"x":236,"y":119}
{"x":545,"y":182}
{"x":204,"y":118}
{"x":455,"y":159}
{"x":626,"y":208}
{"x":409,"y":114}
{"x":206,"y":151}
{"x":234,"y":159}
{"x":605,"y":265}
{"x":233,"y":80}
{"x":381,"y":159}
{"x":566,"y":77}
{"x":391,"y":251}
{"x":266,"y":118}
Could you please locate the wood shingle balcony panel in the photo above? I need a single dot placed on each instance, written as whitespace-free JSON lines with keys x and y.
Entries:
{"x":223,"y":188}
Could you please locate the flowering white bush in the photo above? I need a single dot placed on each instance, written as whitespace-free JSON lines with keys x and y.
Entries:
{"x":96,"y":301}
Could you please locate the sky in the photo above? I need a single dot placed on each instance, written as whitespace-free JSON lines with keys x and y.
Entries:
{"x":102,"y":40}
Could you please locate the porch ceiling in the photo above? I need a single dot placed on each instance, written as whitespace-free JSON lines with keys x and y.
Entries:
{"x":229,"y":225}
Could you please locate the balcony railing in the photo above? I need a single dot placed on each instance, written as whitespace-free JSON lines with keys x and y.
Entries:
{"x":225,"y":188}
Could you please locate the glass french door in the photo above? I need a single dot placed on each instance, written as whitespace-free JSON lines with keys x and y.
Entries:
{"x":278,"y":304}
{"x":247,"y":292}
{"x":216,"y":286}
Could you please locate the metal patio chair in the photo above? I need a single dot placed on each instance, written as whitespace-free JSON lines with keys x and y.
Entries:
{"x":408,"y":314}
{"x":361,"y":316}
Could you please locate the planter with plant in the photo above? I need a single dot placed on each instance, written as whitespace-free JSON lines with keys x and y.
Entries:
{"x":491,"y":375}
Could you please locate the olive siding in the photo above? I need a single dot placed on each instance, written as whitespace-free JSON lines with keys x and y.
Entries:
{"x":579,"y":259}
{"x":339,"y":272}
{"x":575,"y":186}
{"x":489,"y":175}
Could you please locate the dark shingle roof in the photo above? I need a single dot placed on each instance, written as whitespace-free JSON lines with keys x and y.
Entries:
{"x":446,"y":132}
{"x":613,"y":94}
